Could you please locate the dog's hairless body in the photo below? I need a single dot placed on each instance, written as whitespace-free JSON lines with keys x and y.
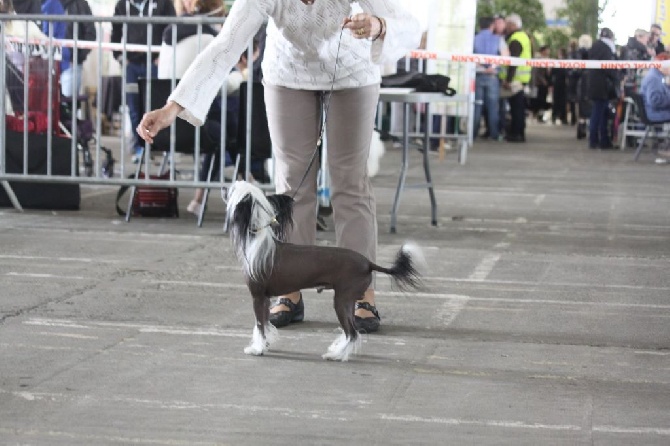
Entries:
{"x":274,"y":268}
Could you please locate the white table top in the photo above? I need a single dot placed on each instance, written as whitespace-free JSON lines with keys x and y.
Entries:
{"x":408,"y":95}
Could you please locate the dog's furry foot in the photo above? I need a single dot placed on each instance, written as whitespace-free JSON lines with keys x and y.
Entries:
{"x":254,"y":350}
{"x":260,"y":344}
{"x":342,"y":348}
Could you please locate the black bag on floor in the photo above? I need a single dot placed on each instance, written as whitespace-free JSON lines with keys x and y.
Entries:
{"x":39,"y":195}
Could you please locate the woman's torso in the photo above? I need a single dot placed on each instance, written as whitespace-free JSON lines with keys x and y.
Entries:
{"x":302,"y":46}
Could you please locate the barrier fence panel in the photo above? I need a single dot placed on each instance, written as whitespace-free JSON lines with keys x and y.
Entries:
{"x":20,"y":57}
{"x":26,"y":56}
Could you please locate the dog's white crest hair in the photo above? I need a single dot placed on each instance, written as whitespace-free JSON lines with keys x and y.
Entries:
{"x":255,"y":240}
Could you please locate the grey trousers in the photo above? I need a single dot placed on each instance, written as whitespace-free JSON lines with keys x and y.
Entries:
{"x":293,"y":118}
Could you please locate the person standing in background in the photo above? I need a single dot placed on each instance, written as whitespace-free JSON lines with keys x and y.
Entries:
{"x":579,"y":50}
{"x":656,"y":39}
{"x":541,"y":77}
{"x":516,"y":78}
{"x":136,"y":65}
{"x":27,"y":6}
{"x":70,"y":84}
{"x":559,"y":82}
{"x":601,"y":88}
{"x":487,"y":83}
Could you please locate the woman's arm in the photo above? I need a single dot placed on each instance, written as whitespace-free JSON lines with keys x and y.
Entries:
{"x":401,"y":31}
{"x":202,"y":81}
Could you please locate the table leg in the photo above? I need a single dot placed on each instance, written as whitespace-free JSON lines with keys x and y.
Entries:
{"x":403,"y":167}
{"x":426,"y":167}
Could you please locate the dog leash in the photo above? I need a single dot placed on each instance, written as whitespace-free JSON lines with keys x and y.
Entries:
{"x":323,"y":118}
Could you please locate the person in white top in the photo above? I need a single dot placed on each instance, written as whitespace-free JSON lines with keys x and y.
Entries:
{"x":312,"y":46}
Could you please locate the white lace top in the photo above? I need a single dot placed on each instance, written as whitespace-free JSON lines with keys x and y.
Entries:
{"x":300,"y":48}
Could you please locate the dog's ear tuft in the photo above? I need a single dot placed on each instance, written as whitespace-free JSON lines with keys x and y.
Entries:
{"x":242,"y":216}
{"x":283,"y":205}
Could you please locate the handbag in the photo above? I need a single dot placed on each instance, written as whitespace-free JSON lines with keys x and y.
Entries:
{"x":151,"y":201}
{"x":423,"y":83}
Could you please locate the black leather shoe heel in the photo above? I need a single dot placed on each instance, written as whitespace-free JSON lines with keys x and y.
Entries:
{"x":367,"y":324}
{"x":296,"y":312}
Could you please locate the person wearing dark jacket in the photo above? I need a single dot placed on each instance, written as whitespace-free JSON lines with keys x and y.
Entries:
{"x":559,"y":81}
{"x":65,"y":30}
{"x":27,"y":6}
{"x":541,"y":79}
{"x":579,"y":50}
{"x":601,"y":88}
{"x":136,"y":63}
{"x":636,"y":49}
{"x":655,"y":39}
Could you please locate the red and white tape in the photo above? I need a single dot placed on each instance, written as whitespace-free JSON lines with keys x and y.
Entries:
{"x":416,"y":54}
{"x":537,"y":63}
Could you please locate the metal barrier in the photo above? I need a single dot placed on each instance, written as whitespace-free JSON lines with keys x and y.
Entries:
{"x":49,"y":50}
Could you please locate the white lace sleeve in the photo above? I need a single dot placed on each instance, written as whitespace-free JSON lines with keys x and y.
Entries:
{"x":203,"y":79}
{"x":403,"y":32}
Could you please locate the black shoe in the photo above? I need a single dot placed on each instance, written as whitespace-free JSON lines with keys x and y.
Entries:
{"x":516,"y":138}
{"x":321,"y":224}
{"x":367,"y":324}
{"x":581,"y":130}
{"x":296,"y":312}
{"x":326,"y":211}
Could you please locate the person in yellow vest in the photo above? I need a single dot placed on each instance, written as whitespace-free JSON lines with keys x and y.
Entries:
{"x":516,"y":78}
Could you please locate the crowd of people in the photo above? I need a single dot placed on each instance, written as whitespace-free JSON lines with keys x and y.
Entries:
{"x":589,"y":99}
{"x":505,"y":96}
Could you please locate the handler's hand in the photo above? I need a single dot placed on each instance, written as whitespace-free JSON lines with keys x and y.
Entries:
{"x":155,"y":121}
{"x":363,"y":25}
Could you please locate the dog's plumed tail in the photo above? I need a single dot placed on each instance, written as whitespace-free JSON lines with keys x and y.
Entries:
{"x":407,"y":269}
{"x":255,"y":224}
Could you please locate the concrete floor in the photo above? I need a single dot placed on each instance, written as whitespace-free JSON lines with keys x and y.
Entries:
{"x":545,"y":318}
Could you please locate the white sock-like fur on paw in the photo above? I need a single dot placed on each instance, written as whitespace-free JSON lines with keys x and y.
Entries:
{"x":258,"y":344}
{"x":271,"y":334}
{"x":342,"y":348}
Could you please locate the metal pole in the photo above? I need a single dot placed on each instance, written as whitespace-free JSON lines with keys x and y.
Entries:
{"x":250,"y":91}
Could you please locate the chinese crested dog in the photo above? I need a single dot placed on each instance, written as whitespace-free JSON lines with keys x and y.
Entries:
{"x":258,"y":227}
